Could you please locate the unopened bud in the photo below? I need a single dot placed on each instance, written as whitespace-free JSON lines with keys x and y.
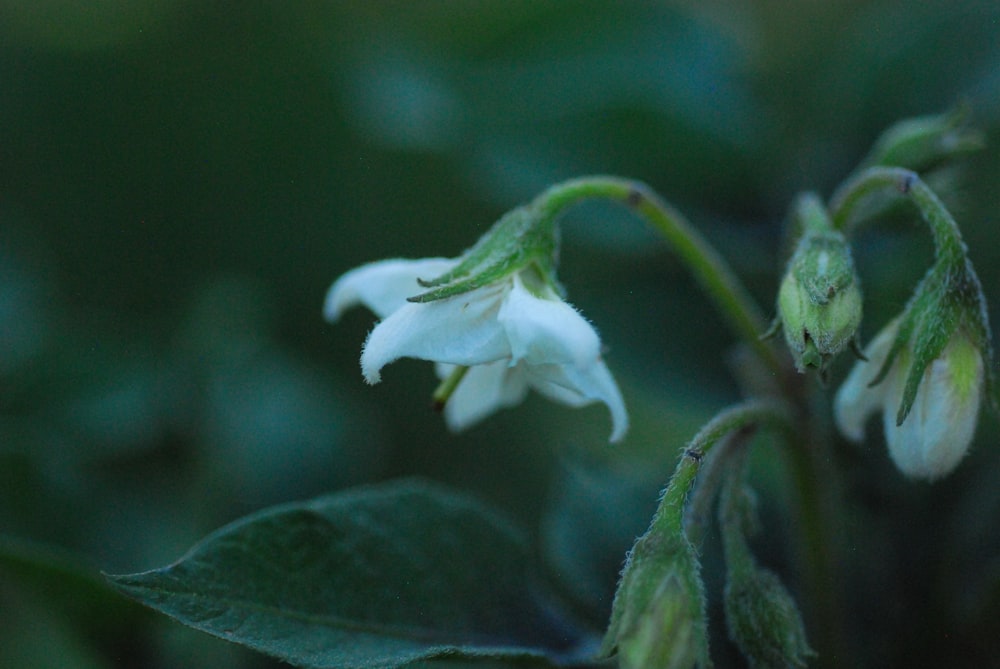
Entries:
{"x":819,"y":302}
{"x":658,"y":618}
{"x":762,"y":617}
{"x":939,"y":425}
{"x":764,"y":620}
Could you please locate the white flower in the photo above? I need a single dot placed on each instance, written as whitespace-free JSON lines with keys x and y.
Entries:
{"x":514,"y":334}
{"x":939,"y":428}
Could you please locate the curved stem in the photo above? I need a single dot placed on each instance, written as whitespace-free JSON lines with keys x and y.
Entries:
{"x":669,"y":515}
{"x":948,"y":244}
{"x":730,"y":297}
{"x":746,"y":320}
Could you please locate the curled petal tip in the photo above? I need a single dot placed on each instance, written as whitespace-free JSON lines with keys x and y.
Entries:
{"x":331,"y":314}
{"x":371,"y":366}
{"x":619,"y":425}
{"x":618,"y":433}
{"x":334,"y":304}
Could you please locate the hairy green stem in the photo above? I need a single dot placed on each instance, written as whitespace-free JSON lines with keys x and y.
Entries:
{"x":669,"y":517}
{"x":698,"y":511}
{"x":948,"y":244}
{"x":810,"y":215}
{"x":745,"y":319}
{"x":730,"y":297}
{"x":818,"y":521}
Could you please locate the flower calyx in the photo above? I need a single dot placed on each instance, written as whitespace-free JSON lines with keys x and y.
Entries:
{"x":819,"y":301}
{"x":948,"y":303}
{"x":521,"y":238}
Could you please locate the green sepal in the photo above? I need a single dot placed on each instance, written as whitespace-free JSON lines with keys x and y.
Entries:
{"x":823,"y":286}
{"x":944,"y":301}
{"x":522,"y":237}
{"x":976,"y":321}
{"x":937,"y":325}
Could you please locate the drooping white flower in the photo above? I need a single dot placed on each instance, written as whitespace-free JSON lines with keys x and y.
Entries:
{"x":937,"y":432}
{"x":513,"y":334}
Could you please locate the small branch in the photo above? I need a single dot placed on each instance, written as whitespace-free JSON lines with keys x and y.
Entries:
{"x":669,"y":515}
{"x":727,"y":293}
{"x":948,"y":244}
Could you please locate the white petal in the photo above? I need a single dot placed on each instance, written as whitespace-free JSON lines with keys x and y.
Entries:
{"x":937,"y":432}
{"x":855,"y":401}
{"x":483,"y":390}
{"x":561,"y":352}
{"x":460,"y":330}
{"x":382,"y":286}
{"x":578,"y":386}
{"x":546,"y":330}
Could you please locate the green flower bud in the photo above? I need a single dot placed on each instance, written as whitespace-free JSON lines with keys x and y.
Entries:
{"x":658,"y":618}
{"x":762,"y":617}
{"x":664,"y":635}
{"x":819,"y":302}
{"x":764,"y":620}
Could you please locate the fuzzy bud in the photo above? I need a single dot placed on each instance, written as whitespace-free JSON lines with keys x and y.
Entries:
{"x":658,"y":618}
{"x":819,"y":302}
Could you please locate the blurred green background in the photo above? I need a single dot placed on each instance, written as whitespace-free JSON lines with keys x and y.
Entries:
{"x":181,"y":181}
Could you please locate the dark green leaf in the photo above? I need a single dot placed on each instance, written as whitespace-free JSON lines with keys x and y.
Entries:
{"x":377,"y":577}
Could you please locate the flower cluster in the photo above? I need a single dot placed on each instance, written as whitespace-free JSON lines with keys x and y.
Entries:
{"x":495,"y":324}
{"x":927,"y":370}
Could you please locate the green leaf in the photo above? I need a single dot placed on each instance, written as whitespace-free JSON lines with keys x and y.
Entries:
{"x":375,"y":577}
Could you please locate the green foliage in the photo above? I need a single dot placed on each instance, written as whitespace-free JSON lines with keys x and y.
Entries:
{"x":374,"y":578}
{"x":181,"y":181}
